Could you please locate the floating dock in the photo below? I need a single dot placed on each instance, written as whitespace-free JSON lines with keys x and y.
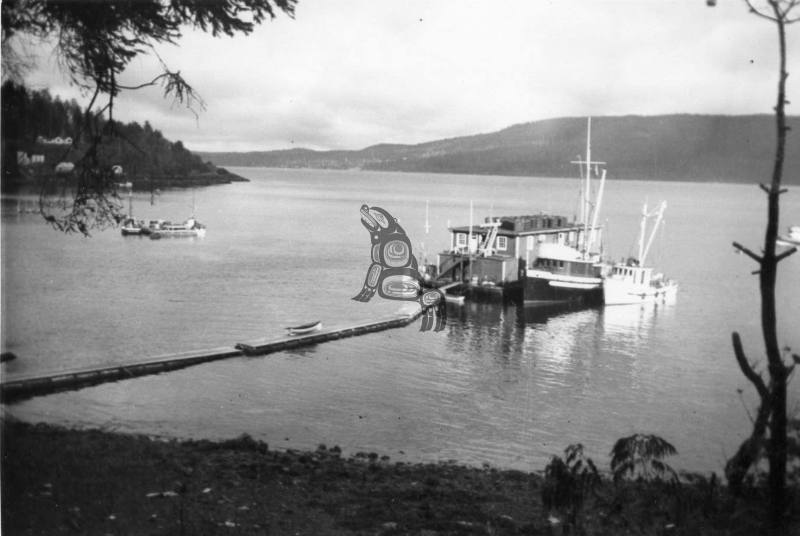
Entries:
{"x":26,"y":386}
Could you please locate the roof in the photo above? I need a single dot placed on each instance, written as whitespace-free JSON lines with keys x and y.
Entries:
{"x":524,"y":225}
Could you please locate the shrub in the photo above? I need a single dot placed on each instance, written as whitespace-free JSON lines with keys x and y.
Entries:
{"x":639,"y":456}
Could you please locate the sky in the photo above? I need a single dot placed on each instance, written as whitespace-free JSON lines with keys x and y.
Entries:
{"x":348,"y":74}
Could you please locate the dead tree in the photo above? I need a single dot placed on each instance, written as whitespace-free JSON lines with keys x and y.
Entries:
{"x":772,"y":392}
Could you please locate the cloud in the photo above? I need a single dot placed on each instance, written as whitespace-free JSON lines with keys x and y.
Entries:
{"x":353,"y":73}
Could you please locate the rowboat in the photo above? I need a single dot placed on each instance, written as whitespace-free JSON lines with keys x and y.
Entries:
{"x":302,"y":329}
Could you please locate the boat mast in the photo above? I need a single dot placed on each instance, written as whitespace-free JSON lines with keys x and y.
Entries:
{"x":427,"y":221}
{"x":597,"y":210}
{"x":587,"y":190}
{"x":585,"y":207}
{"x":642,"y":231}
{"x":659,"y":214}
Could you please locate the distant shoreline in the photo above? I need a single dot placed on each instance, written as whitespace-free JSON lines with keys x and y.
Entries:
{"x":716,"y":180}
{"x":219,"y":176}
{"x":676,"y":147}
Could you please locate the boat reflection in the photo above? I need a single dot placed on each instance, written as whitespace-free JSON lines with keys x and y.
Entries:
{"x":562,"y":349}
{"x":627,"y":329}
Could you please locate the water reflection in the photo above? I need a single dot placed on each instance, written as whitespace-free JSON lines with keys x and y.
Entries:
{"x":627,"y":328}
{"x":563,"y":350}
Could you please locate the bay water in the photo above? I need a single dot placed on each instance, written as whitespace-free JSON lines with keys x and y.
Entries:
{"x":497,"y":386}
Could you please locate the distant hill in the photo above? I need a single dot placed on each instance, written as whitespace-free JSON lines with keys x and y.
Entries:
{"x":667,"y":147}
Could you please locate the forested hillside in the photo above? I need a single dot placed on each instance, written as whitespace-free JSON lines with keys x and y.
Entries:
{"x":40,"y":132}
{"x":669,"y":147}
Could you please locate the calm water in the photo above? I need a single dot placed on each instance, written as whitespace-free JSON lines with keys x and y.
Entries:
{"x":494,"y":386}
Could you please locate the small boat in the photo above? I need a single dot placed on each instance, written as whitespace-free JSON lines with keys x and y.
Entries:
{"x":631,"y":282}
{"x":790,"y":239}
{"x":131,"y":227}
{"x":189,"y":228}
{"x":457,"y":299}
{"x":304,"y":328}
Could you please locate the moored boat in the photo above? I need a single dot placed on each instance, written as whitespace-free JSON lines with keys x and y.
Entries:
{"x":189,"y":228}
{"x":791,"y":238}
{"x":630,"y":281}
{"x":304,"y":328}
{"x":564,"y":275}
{"x":133,"y":227}
{"x":570,"y":271}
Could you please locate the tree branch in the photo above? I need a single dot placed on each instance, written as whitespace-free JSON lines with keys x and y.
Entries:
{"x":754,"y":377}
{"x":785,"y":254}
{"x":758,"y":13}
{"x":747,"y":252}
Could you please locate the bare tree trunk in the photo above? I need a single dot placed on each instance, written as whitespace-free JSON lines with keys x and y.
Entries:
{"x":773,"y":395}
{"x":777,"y":370}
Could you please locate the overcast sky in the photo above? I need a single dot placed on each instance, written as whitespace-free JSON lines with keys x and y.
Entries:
{"x":346,"y":74}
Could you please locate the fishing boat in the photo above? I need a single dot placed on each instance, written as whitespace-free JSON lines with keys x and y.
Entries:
{"x":165,"y":229}
{"x":304,"y":329}
{"x":189,"y":228}
{"x":570,"y":271}
{"x":791,"y":238}
{"x":630,"y":281}
{"x":131,"y":226}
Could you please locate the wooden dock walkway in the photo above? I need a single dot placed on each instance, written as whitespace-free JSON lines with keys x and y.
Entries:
{"x":26,"y":386}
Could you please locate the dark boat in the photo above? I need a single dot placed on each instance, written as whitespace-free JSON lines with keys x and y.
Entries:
{"x":571,"y":271}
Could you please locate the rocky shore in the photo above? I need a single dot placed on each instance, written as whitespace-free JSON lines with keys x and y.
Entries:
{"x":59,"y":481}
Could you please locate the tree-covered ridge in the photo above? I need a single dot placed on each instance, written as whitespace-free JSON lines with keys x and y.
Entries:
{"x":668,"y":147}
{"x":41,"y":131}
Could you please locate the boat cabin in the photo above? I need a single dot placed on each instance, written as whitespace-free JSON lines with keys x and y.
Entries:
{"x":497,"y":251}
{"x":632,"y":273}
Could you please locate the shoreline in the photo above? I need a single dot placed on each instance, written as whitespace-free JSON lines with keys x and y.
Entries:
{"x":95,"y":482}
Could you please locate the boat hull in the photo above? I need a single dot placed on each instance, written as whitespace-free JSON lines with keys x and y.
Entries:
{"x":184,"y":233}
{"x":624,"y":293}
{"x":547,"y":291}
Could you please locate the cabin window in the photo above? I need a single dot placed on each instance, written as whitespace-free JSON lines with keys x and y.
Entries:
{"x":560,"y":264}
{"x":502,"y":243}
{"x":461,"y":240}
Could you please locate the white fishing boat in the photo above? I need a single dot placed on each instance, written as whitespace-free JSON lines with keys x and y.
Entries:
{"x":166,"y":229}
{"x":791,"y":238}
{"x":189,"y":228}
{"x":631,"y":281}
{"x":131,"y":226}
